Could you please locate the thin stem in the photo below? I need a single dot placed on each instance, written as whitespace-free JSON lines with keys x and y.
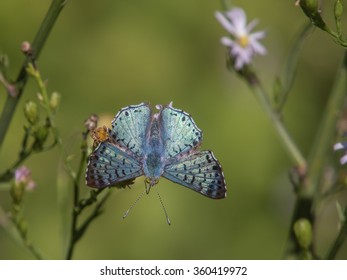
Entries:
{"x":90,"y":200}
{"x":15,"y":232}
{"x":324,"y":139}
{"x":224,"y":4}
{"x":23,"y":154}
{"x":96,"y":212}
{"x":39,"y":41}
{"x":339,"y":240}
{"x":35,"y":73}
{"x":80,"y":204}
{"x":308,"y":192}
{"x":29,"y":246}
{"x":282,"y":132}
{"x":75,"y":210}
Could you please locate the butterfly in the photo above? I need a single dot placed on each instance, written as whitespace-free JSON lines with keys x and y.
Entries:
{"x":162,"y":144}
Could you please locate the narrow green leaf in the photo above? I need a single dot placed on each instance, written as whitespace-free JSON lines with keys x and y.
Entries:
{"x":291,"y":66}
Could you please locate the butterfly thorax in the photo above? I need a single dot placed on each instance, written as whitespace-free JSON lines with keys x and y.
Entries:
{"x":153,"y":162}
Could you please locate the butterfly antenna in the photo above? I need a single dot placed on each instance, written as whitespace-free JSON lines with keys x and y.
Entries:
{"x":162,"y":204}
{"x":132,"y":205}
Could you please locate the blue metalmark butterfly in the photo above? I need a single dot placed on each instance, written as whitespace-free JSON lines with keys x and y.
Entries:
{"x":161,"y":144}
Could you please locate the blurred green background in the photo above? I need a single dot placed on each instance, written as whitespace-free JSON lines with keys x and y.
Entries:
{"x":104,"y":55}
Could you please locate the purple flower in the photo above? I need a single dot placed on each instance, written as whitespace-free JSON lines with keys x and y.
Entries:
{"x":243,"y":44}
{"x":23,"y":176}
{"x":342,"y":146}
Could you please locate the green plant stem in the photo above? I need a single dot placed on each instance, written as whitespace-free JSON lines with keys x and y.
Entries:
{"x":75,"y":210}
{"x":25,"y":151}
{"x":37,"y":45}
{"x":308,"y":191}
{"x":76,"y":232}
{"x":35,"y":73}
{"x":89,"y":201}
{"x":96,"y":212}
{"x":8,"y":174}
{"x":339,"y":241}
{"x":224,"y":4}
{"x":28,"y":245}
{"x":275,"y":118}
{"x":324,"y":140}
{"x":13,"y":232}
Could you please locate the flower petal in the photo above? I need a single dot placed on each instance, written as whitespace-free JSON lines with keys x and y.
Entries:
{"x":258,"y":35}
{"x":251,"y":25}
{"x":338,"y":146}
{"x":237,"y":16}
{"x":226,"y":41}
{"x":343,"y":160}
{"x":225,"y":22}
{"x":257,"y":47}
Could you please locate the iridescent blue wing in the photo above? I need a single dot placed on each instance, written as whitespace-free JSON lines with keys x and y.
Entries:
{"x":129,"y":128}
{"x":109,"y":165}
{"x":179,"y":132}
{"x":200,"y":172}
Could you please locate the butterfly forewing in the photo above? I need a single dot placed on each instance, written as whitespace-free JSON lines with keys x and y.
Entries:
{"x":200,"y":172}
{"x":179,"y":132}
{"x":129,"y":128}
{"x":109,"y":165}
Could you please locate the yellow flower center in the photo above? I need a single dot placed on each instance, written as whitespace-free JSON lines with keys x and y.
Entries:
{"x":243,"y":40}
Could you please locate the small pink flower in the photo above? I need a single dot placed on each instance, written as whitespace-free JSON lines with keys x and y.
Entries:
{"x":23,"y":176}
{"x":243,"y":44}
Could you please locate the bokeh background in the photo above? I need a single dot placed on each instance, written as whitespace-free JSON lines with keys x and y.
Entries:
{"x":104,"y":55}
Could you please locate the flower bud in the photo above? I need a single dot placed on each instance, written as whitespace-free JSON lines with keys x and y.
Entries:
{"x":22,"y":182}
{"x":311,"y":10}
{"x":54,"y":101}
{"x":310,"y":7}
{"x":17,"y":192}
{"x":26,"y":48}
{"x":92,"y":122}
{"x":40,"y":135}
{"x":338,"y":11}
{"x":31,"y":112}
{"x":303,"y":232}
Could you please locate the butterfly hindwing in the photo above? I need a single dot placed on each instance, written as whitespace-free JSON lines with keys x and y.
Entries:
{"x":129,"y":128}
{"x":109,"y":165}
{"x":199,"y":171}
{"x":179,"y":132}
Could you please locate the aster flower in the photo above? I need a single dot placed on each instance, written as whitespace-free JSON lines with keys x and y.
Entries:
{"x":22,"y":177}
{"x":243,"y":44}
{"x":342,"y":146}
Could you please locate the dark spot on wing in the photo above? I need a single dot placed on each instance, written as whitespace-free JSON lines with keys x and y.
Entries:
{"x":193,"y":179}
